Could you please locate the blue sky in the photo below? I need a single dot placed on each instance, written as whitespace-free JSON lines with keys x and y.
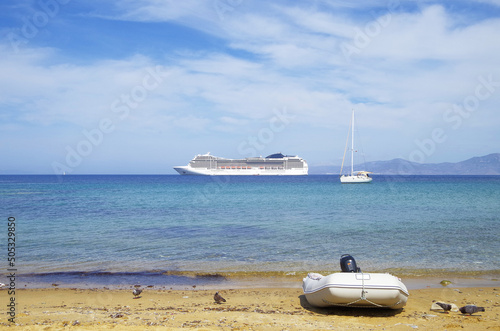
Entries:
{"x":142,"y":86}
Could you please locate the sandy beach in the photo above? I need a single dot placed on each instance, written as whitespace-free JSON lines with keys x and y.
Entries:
{"x":275,"y":308}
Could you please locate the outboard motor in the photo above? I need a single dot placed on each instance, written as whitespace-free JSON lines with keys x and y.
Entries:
{"x":348,"y":264}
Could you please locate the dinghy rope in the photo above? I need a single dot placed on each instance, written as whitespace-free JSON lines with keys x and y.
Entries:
{"x":363,"y":297}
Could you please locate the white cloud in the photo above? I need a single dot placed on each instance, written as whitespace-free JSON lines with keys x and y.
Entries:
{"x":192,"y":123}
{"x":65,"y":92}
{"x":205,"y":16}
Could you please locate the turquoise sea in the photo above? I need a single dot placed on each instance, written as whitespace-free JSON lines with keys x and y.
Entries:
{"x":109,"y":229}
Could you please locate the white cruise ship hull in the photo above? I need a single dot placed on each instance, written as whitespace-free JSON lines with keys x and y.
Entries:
{"x":272,"y":165}
{"x":186,"y":170}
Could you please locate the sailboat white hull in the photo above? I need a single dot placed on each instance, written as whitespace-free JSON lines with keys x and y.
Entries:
{"x":359,"y":179}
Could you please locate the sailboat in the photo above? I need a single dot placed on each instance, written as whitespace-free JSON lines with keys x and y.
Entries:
{"x":360,"y":176}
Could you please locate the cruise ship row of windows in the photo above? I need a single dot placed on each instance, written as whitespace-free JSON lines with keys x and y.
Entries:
{"x":246,"y":167}
{"x":267,"y":165}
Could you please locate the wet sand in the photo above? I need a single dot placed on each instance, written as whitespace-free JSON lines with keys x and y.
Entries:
{"x":262,"y":308}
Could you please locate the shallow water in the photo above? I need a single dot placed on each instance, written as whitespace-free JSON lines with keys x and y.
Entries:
{"x":140,"y":224}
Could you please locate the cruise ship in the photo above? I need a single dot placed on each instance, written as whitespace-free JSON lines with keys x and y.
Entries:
{"x":274,"y":164}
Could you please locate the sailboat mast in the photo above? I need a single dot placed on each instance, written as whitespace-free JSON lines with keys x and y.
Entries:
{"x":352,"y":143}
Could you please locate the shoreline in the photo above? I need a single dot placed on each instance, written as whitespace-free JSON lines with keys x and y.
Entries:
{"x":232,"y":280}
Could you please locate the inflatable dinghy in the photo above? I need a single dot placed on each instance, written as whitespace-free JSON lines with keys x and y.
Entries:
{"x":353,"y":288}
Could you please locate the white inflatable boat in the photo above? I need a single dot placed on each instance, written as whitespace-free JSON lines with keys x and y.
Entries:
{"x":355,"y":289}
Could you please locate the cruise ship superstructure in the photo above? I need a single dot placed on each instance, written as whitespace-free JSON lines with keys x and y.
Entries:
{"x":274,"y":164}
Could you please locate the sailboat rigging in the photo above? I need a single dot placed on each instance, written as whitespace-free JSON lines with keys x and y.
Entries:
{"x":360,"y":176}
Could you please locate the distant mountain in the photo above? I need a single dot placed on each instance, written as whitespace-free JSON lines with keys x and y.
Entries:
{"x":482,"y":165}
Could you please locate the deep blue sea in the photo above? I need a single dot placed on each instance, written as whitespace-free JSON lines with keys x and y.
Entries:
{"x":146,"y":225}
